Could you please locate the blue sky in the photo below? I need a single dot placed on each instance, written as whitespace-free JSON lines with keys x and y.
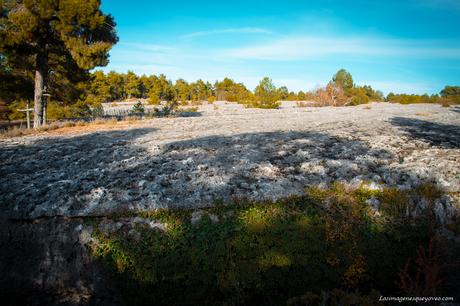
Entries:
{"x":400,"y":46}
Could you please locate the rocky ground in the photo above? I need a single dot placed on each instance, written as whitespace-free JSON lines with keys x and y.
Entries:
{"x":221,"y":152}
{"x":226,"y":152}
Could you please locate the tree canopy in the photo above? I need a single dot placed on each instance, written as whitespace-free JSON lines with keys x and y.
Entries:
{"x":343,"y":79}
{"x":266,"y":93}
{"x":57,"y":37}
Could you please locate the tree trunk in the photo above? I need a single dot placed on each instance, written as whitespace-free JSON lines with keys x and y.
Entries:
{"x":41,"y":75}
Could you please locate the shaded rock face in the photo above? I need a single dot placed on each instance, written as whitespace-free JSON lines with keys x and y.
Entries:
{"x":46,"y":262}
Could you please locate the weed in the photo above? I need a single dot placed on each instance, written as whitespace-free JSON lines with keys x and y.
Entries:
{"x":394,"y":203}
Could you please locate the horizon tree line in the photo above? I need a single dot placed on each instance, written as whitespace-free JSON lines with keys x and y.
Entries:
{"x":48,"y":48}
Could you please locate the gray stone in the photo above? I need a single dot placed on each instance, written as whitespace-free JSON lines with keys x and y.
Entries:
{"x":374,"y":203}
{"x":196,"y":216}
{"x":374,"y":186}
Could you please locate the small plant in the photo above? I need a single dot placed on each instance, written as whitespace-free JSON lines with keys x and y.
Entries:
{"x":97,"y":111}
{"x":138,"y":109}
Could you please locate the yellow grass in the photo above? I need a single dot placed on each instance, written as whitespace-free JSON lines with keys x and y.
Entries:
{"x":70,"y":127}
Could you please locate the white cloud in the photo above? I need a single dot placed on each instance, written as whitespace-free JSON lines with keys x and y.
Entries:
{"x":311,"y":47}
{"x":241,"y":63}
{"x":247,"y":30}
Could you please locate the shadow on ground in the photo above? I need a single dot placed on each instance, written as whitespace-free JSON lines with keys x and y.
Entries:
{"x":437,"y":134}
{"x":55,"y":176}
{"x":189,"y":114}
{"x":101,"y":173}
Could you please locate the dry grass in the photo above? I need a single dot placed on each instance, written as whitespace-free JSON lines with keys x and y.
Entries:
{"x":424,"y":114}
{"x":70,"y":127}
{"x":304,"y":104}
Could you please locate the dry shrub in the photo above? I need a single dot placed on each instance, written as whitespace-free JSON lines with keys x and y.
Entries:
{"x":331,"y":95}
{"x":49,"y":127}
{"x":68,"y":124}
{"x":445,"y":102}
{"x":422,"y":277}
{"x":304,"y":104}
{"x":99,"y":121}
{"x":14,"y":132}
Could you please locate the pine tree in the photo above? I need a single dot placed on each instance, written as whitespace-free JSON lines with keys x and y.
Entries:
{"x":343,"y":79}
{"x":60,"y":35}
{"x":133,"y":85}
{"x":267,"y":94}
{"x":182,"y":91}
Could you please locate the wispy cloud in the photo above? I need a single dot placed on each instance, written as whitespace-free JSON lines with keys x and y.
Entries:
{"x":249,"y":63}
{"x":247,"y":30}
{"x":310,"y":47}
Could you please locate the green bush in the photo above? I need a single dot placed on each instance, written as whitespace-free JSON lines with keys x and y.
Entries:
{"x":324,"y":245}
{"x":138,"y":108}
{"x":358,"y":96}
{"x":411,"y":99}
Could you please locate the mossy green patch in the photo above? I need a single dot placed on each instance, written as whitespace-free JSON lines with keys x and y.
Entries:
{"x":269,"y":253}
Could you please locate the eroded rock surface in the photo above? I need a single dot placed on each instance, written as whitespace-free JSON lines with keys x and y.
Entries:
{"x":260,"y":154}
